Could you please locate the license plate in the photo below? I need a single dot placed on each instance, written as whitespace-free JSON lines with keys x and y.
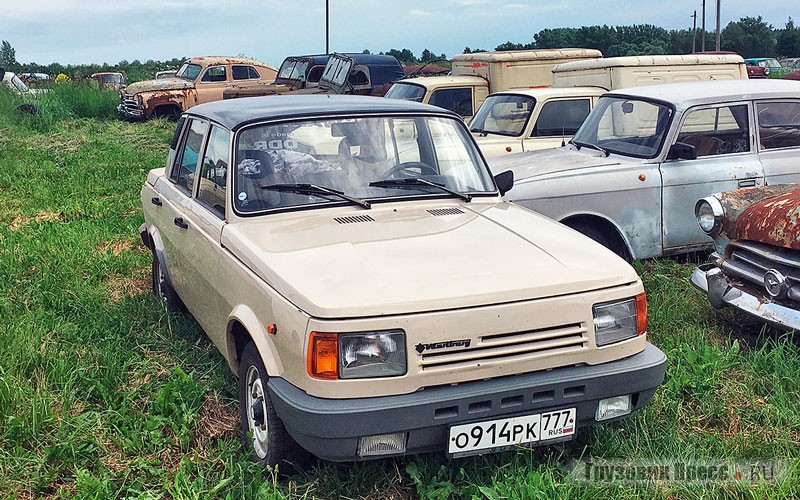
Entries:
{"x":528,"y":429}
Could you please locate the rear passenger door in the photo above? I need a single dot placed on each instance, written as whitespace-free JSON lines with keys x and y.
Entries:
{"x":724,"y":140}
{"x":779,"y":139}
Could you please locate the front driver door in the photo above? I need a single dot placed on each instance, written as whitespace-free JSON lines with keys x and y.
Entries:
{"x":722,"y":136}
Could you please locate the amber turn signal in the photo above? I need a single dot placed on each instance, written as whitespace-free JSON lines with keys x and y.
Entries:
{"x":323,"y":355}
{"x":641,"y":313}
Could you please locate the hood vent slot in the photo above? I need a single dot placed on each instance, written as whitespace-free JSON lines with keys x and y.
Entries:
{"x":445,"y":211}
{"x":354,"y":219}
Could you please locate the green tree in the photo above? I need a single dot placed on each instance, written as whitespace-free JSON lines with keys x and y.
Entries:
{"x":405,"y":56}
{"x":750,"y":37}
{"x":788,"y":40}
{"x":556,"y":38}
{"x":8,"y":57}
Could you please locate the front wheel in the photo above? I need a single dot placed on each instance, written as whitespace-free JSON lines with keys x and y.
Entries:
{"x":263,"y":432}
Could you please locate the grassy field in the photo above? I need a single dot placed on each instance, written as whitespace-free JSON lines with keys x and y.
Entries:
{"x":104,"y":395}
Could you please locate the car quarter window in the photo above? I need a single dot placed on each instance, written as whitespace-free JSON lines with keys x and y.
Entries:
{"x":187,"y":156}
{"x":244,"y":72}
{"x":778,"y":124}
{"x":563,"y":117}
{"x":458,"y":100}
{"x":214,"y":74}
{"x":213,"y":171}
{"x":716,"y":131}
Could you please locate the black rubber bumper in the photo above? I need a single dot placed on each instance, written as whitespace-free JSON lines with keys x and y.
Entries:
{"x":330,"y":428}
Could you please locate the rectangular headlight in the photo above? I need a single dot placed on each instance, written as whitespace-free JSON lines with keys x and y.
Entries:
{"x":617,"y":321}
{"x":372,"y":354}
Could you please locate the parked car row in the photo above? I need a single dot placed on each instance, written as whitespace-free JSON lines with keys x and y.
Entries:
{"x":379,"y":292}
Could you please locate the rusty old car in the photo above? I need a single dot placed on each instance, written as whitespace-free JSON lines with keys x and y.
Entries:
{"x":354,"y":262}
{"x":199,"y":80}
{"x":632,"y":173}
{"x":756,"y":263}
{"x":296,"y":72}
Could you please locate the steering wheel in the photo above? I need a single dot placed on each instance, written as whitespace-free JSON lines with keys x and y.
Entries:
{"x":407,"y":169}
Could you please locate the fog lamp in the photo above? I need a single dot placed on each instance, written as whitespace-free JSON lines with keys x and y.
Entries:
{"x":613,"y":407}
{"x":382,"y":444}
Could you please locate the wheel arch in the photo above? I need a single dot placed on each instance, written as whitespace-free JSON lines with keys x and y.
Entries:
{"x":244,"y":327}
{"x":152,"y":240}
{"x":616,"y":237}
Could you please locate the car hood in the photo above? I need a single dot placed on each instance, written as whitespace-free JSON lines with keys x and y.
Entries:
{"x":420,"y":256}
{"x":549,"y":161}
{"x":174,"y":83}
{"x":774,"y":220}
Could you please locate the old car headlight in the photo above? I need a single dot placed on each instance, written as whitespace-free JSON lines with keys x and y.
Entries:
{"x":709,"y":215}
{"x":617,"y":321}
{"x":357,"y":355}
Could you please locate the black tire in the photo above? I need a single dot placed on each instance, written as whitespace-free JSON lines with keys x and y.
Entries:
{"x":28,"y":109}
{"x":263,"y":432}
{"x":171,"y":113}
{"x":163,"y":289}
{"x":603,"y":238}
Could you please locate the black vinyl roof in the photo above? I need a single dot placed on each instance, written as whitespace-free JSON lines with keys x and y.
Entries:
{"x":235,"y":113}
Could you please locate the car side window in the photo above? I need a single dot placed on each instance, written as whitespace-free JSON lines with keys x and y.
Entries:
{"x":214,"y":170}
{"x":717,"y":131}
{"x":458,"y":100}
{"x":214,"y":74}
{"x":315,"y":74}
{"x":562,"y":117}
{"x":779,"y":124}
{"x":188,"y":155}
{"x":244,"y":72}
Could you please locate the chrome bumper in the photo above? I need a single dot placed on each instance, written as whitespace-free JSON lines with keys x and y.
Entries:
{"x":710,"y":279}
{"x":129,"y":109}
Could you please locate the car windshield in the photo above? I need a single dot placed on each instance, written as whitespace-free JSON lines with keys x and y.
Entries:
{"x":19,"y":84}
{"x":189,"y":71}
{"x":625,"y":126}
{"x":503,"y":115}
{"x":293,"y":70}
{"x":406,"y":91}
{"x":298,"y":164}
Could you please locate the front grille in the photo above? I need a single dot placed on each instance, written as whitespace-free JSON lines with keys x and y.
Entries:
{"x":516,"y":346}
{"x":748,"y":261}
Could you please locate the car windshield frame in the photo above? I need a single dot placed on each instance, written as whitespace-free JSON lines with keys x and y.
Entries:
{"x":347,"y":153}
{"x":184,"y":71}
{"x":486,"y":111}
{"x":588,"y":132}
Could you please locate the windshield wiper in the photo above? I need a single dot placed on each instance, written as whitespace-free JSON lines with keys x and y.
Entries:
{"x":316,"y":190}
{"x":590,"y":146}
{"x":415,"y":182}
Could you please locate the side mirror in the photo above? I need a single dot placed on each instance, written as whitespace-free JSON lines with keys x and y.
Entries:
{"x":504,"y":181}
{"x":682,"y":151}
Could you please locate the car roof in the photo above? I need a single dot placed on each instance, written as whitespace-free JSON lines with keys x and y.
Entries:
{"x":688,"y":94}
{"x":236,"y":113}
{"x":546,"y":92}
{"x":315,"y":58}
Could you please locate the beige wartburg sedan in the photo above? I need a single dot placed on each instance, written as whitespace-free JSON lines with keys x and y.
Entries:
{"x":353,"y":260}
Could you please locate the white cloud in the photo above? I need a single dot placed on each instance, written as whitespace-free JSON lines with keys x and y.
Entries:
{"x":516,"y":6}
{"x":419,"y":13}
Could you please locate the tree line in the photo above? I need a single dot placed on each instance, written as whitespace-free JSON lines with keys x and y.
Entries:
{"x":749,"y":37}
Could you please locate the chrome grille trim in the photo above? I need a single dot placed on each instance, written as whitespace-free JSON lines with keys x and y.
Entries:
{"x":516,"y":346}
{"x":749,"y":261}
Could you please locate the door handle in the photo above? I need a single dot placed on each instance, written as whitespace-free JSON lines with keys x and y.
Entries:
{"x":747,"y":183}
{"x":155,"y":200}
{"x":181,"y":223}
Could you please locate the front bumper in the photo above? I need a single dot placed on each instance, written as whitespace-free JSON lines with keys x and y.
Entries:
{"x":130,"y":109}
{"x":710,"y":279}
{"x":331,"y":428}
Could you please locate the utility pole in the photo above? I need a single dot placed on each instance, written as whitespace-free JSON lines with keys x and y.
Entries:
{"x":718,"y":2}
{"x":694,"y":32}
{"x":328,"y":27}
{"x":703,"y":30}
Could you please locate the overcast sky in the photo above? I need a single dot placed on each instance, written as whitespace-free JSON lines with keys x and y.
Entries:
{"x":97,"y":31}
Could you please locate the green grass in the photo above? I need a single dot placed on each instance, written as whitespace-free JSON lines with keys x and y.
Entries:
{"x":104,"y":395}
